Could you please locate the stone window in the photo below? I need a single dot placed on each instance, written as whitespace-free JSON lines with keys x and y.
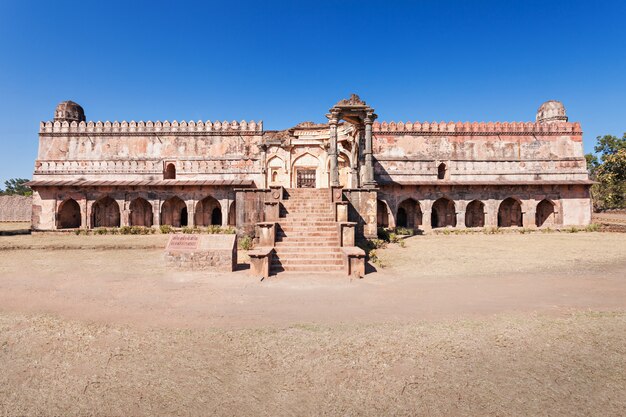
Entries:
{"x":170,"y":172}
{"x":441,"y":171}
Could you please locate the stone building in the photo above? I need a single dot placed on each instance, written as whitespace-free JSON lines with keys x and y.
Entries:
{"x":420,"y":175}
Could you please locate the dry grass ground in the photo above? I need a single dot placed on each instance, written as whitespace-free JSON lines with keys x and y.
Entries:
{"x":455,"y":325}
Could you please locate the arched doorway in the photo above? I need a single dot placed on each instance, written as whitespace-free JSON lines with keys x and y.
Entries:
{"x":140,"y":213}
{"x":475,"y":214}
{"x":208,"y":212}
{"x":68,"y":215}
{"x":510,"y":213}
{"x":443,"y":214}
{"x":232,"y":214}
{"x":382,"y":214}
{"x":305,"y":171}
{"x":545,"y":216}
{"x":174,"y":212}
{"x":409,"y":214}
{"x":105,"y":213}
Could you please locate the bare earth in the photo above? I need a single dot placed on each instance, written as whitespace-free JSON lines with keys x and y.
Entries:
{"x":509,"y":324}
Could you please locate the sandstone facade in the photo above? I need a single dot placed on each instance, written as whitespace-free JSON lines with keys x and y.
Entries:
{"x":412,"y":174}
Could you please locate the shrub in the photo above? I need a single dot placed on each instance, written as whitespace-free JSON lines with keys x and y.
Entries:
{"x":100,"y":231}
{"x":593,"y":227}
{"x":213,"y":229}
{"x":113,"y":231}
{"x":547,"y":230}
{"x":126,"y":230}
{"x":166,"y":229}
{"x":229,"y":230}
{"x":78,"y":232}
{"x":405,"y":231}
{"x":383,"y":234}
{"x":246,"y":242}
{"x":187,"y":230}
{"x":572,"y":229}
{"x":524,"y":230}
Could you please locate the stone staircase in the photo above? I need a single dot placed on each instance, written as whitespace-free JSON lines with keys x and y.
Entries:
{"x":307,"y":238}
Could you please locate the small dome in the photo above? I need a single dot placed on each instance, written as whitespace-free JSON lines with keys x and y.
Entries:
{"x":551,"y":111}
{"x":68,"y":111}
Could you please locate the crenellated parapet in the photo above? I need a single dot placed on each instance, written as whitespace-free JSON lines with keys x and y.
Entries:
{"x":476,"y":128}
{"x":139,"y":128}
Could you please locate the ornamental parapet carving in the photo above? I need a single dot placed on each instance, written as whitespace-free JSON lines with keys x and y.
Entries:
{"x":476,"y":128}
{"x":238,"y":165}
{"x":132,"y":127}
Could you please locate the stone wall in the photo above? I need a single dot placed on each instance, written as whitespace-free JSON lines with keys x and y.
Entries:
{"x":15,"y":208}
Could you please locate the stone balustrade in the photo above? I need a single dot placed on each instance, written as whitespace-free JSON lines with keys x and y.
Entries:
{"x":132,"y":127}
{"x":482,"y":128}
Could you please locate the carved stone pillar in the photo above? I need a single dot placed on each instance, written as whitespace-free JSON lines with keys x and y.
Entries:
{"x":426,"y":215}
{"x":528,"y":218}
{"x":460,"y":219}
{"x":156,"y":213}
{"x":332,"y":152}
{"x":369,"y":162}
{"x":191,"y":213}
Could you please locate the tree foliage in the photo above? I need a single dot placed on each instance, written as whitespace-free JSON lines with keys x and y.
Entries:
{"x":609,"y":170}
{"x":15,"y":186}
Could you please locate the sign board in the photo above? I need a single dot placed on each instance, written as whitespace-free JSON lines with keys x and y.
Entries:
{"x":190,"y":251}
{"x":183,"y":243}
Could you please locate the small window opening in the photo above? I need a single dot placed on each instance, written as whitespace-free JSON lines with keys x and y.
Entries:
{"x":170,"y":172}
{"x":441,"y":171}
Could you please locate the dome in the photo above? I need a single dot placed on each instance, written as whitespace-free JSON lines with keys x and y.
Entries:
{"x":551,"y":111}
{"x":68,"y":111}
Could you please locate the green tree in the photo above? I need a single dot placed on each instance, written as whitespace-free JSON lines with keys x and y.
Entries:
{"x":609,"y":171}
{"x":15,"y":186}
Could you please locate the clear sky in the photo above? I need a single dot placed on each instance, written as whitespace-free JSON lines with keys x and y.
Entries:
{"x":287,"y":62}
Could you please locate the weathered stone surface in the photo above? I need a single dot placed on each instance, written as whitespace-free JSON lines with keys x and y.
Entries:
{"x":202,"y":252}
{"x":412,"y":174}
{"x":15,"y":208}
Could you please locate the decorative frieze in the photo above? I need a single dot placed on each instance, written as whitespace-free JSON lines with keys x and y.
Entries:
{"x":482,"y":128}
{"x":132,"y":127}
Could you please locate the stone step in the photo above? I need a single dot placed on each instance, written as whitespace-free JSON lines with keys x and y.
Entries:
{"x":321,"y":251}
{"x":308,"y":223}
{"x":308,"y":261}
{"x":307,"y":268}
{"x":297,"y":228}
{"x":308,"y":233}
{"x":306,"y":242}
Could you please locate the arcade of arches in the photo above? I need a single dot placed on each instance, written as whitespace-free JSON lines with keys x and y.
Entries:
{"x":445,"y":212}
{"x":106,"y":211}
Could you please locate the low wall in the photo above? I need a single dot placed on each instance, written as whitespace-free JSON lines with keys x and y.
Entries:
{"x":15,"y":208}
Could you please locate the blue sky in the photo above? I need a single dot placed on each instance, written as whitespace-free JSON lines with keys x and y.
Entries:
{"x":286,"y":62}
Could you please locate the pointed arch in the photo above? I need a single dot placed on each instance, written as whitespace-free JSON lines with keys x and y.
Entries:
{"x":140,"y":213}
{"x":409,"y":214}
{"x":68,"y":215}
{"x":232,"y":214}
{"x":510,"y":213}
{"x":382,"y":214}
{"x":475,"y":214}
{"x":208,"y":212}
{"x":545,"y":216}
{"x":105,"y":213}
{"x":443,"y":213}
{"x":174,"y":212}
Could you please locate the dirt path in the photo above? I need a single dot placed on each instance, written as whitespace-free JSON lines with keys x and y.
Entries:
{"x":434,"y":277}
